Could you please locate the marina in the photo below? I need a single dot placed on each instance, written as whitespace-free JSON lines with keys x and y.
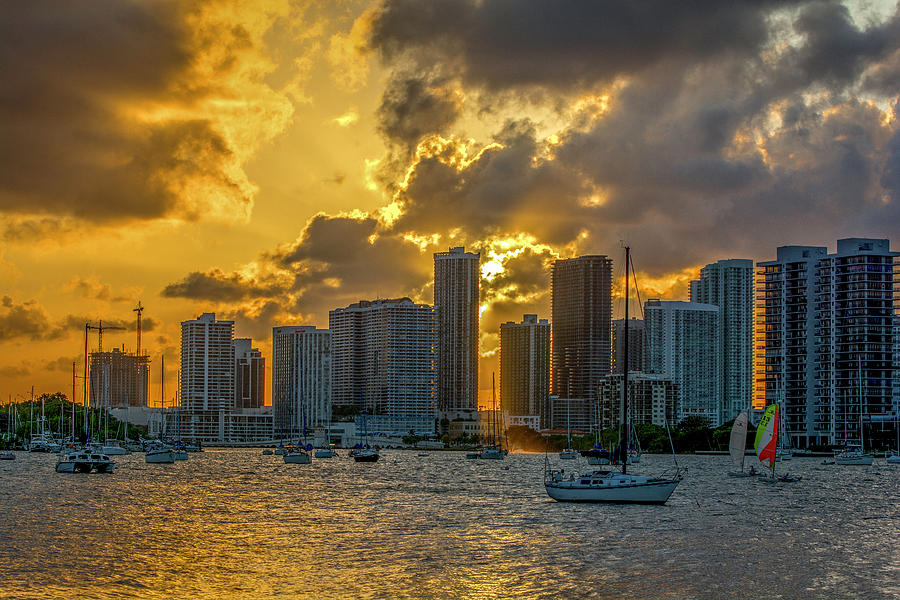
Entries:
{"x":442,"y":528}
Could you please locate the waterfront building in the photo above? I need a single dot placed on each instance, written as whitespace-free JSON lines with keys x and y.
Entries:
{"x":651,"y":399}
{"x":581,"y":322}
{"x":118,"y":379}
{"x":207,"y":377}
{"x":525,"y":368}
{"x":456,"y":307}
{"x":681,"y":343}
{"x":635,"y":344}
{"x":301,"y":379}
{"x":383,"y":362}
{"x":249,"y":375}
{"x":728,"y":284}
{"x":826,"y":338}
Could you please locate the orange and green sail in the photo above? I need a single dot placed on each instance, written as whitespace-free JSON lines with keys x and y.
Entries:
{"x":767,"y":435}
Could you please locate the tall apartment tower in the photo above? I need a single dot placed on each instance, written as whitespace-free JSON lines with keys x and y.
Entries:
{"x":383,"y":361}
{"x":249,"y":375}
{"x":456,"y":285}
{"x":525,"y":368}
{"x":118,"y":379}
{"x":207,"y":364}
{"x":581,"y":320}
{"x":681,"y":343}
{"x":635,"y":345}
{"x":826,"y":338}
{"x":728,"y":284}
{"x":301,"y":379}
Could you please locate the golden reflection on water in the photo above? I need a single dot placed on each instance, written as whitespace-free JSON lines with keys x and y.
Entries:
{"x":236,"y":524}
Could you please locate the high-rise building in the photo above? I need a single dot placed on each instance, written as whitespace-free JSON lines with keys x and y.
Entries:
{"x":456,"y":285}
{"x":651,"y":399}
{"x":207,"y":376}
{"x":681,"y":343}
{"x":825,"y":338}
{"x":581,"y":320}
{"x":301,"y":379}
{"x":118,"y":379}
{"x":728,"y":284}
{"x":635,"y":345}
{"x":525,"y":368}
{"x":249,"y":375}
{"x":383,"y":361}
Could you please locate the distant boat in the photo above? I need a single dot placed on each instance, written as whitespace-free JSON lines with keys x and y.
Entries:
{"x":596,"y":456}
{"x":84,"y":462}
{"x":738,"y":444}
{"x":495,"y":450}
{"x":159,"y":455}
{"x":325,"y":453}
{"x":854,"y":454}
{"x":423,"y":454}
{"x":7,"y":456}
{"x":568,"y":453}
{"x":362,"y":452}
{"x":472,"y":454}
{"x":267,"y":452}
{"x":766,"y":445}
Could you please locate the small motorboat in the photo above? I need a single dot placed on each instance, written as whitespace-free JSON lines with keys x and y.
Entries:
{"x":828,"y":462}
{"x":267,"y":452}
{"x":298,"y":456}
{"x":423,"y":454}
{"x":84,"y":462}
{"x":7,"y":456}
{"x":325,"y":453}
{"x":364,"y":454}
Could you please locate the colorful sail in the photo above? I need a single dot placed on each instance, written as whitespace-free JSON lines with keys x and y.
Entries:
{"x":739,"y":439}
{"x":767,"y":435}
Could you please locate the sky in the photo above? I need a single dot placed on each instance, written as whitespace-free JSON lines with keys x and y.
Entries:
{"x":272,"y":160}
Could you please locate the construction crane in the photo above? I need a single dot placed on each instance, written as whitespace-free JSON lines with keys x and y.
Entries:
{"x":139,"y":310}
{"x":100,"y":327}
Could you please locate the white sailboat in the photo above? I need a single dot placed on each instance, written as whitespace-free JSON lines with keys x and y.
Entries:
{"x":766,"y":445}
{"x":738,"y":444}
{"x":298,"y":455}
{"x":568,"y":453}
{"x":608,"y":486}
{"x":495,"y":450}
{"x":855,"y":454}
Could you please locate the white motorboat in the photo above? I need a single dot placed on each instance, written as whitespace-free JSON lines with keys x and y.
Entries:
{"x":569,"y":454}
{"x":324,"y":453}
{"x":160,"y":456}
{"x":608,"y":486}
{"x":113,"y":448}
{"x":84,"y":462}
{"x":892,"y":457}
{"x":267,"y":452}
{"x":853,"y":455}
{"x":491,"y":453}
{"x":7,"y":456}
{"x":297,"y":457}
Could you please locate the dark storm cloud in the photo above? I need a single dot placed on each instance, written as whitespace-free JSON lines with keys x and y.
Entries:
{"x":217,"y":286}
{"x":564,"y":45}
{"x":27,"y":320}
{"x":76,"y":78}
{"x":503,"y":190}
{"x":412,"y":107}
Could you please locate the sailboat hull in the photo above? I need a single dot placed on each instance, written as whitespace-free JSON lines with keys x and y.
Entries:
{"x":650,"y":492}
{"x":297,"y":458}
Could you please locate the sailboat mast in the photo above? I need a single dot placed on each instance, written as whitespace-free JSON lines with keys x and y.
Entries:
{"x":623,"y":444}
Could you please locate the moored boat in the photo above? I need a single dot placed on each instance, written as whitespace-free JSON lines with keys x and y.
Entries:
{"x":324,"y":453}
{"x":365,"y":454}
{"x":7,"y":456}
{"x":84,"y":462}
{"x":159,"y":455}
{"x":853,"y":455}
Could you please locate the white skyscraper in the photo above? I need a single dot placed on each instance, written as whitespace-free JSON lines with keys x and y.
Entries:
{"x":207,"y":375}
{"x":301,"y":379}
{"x":456,"y":289}
{"x":728,"y":284}
{"x":681,"y":343}
{"x":383,"y":361}
{"x":826,"y":345}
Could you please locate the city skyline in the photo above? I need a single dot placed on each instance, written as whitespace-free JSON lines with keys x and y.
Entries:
{"x":317,"y":155}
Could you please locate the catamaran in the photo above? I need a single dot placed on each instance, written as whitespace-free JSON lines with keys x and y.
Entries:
{"x":766,"y":445}
{"x":608,"y":486}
